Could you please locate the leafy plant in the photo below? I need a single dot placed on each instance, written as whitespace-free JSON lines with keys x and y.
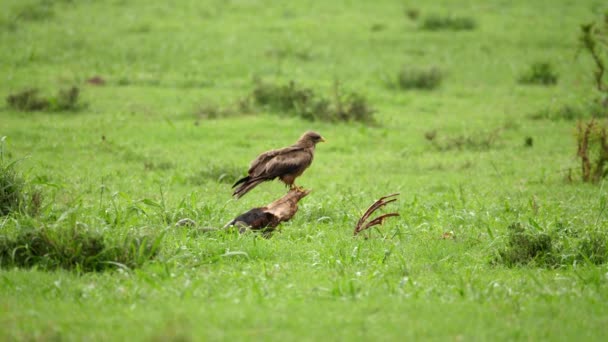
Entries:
{"x":525,"y":246}
{"x":29,"y":100}
{"x":542,"y":73}
{"x":11,"y":188}
{"x":305,"y":103}
{"x":75,"y":248}
{"x":419,"y":78}
{"x":447,"y":23}
{"x":477,"y":141}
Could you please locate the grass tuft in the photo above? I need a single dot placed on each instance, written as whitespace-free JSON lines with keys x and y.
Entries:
{"x":479,"y":141}
{"x":75,"y":249}
{"x":29,"y":100}
{"x":529,"y":244}
{"x":11,"y":188}
{"x":593,"y":247}
{"x":525,"y":246}
{"x":305,"y":103}
{"x":539,"y":73}
{"x":447,"y":23}
{"x":419,"y":78}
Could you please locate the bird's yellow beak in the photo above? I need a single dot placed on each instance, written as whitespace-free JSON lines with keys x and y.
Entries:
{"x":322,"y":139}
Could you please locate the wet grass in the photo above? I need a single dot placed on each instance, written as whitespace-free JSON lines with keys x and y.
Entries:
{"x":162,"y":138}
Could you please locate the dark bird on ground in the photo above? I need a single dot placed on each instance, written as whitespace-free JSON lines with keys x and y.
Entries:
{"x":286,"y":164}
{"x":266,"y":219}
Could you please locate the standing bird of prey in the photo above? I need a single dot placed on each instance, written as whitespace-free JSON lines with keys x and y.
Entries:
{"x":286,"y":163}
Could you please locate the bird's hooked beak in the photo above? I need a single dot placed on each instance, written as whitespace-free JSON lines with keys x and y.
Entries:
{"x":322,"y":139}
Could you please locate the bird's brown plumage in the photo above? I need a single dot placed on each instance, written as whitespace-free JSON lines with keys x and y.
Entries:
{"x":267,"y":218}
{"x":286,"y":164}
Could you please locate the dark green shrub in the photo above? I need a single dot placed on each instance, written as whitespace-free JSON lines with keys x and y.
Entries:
{"x":540,"y":73}
{"x":528,"y":244}
{"x":305,"y":103}
{"x":570,"y":112}
{"x":75,"y":248}
{"x":282,"y":97}
{"x":417,"y":78}
{"x":447,"y":23}
{"x":525,"y":246}
{"x":15,"y":194}
{"x":566,"y":112}
{"x":27,"y":100}
{"x":479,"y":141}
{"x":66,"y":100}
{"x":30,"y":100}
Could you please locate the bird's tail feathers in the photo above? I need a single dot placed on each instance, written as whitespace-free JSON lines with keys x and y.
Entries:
{"x":246,"y":187}
{"x":242,"y":180}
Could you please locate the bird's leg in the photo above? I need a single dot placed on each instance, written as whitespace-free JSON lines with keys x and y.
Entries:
{"x":295,"y":187}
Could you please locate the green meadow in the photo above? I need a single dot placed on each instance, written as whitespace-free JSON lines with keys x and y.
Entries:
{"x":468,"y":109}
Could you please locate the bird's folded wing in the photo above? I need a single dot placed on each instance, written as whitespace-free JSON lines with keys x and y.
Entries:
{"x":260,"y":163}
{"x":288,"y":163}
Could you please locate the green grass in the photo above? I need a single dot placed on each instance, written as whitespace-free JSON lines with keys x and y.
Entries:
{"x":141,"y":155}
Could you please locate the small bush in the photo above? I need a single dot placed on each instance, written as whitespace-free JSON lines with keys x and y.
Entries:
{"x":310,"y":106}
{"x":425,"y":79}
{"x":525,"y":246}
{"x":15,"y":194}
{"x":282,"y":97}
{"x":566,"y":112}
{"x":570,"y":112}
{"x":480,"y":141}
{"x":540,"y":73}
{"x":592,"y":140}
{"x":74,"y":248}
{"x":66,"y":100}
{"x":211,"y":111}
{"x":447,"y":23}
{"x":29,"y":100}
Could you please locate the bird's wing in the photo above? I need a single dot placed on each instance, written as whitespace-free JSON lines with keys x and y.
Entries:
{"x":288,"y":162}
{"x":259,"y":164}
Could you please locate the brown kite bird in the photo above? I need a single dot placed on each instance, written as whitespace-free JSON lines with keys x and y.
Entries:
{"x":286,"y":163}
